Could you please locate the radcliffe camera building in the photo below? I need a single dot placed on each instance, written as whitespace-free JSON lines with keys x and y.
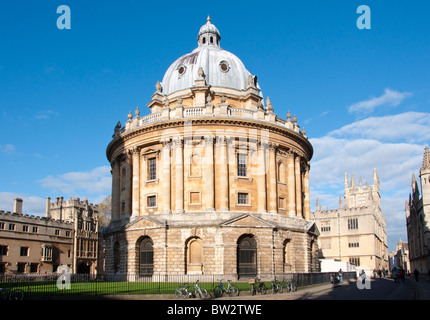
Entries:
{"x":356,"y":232}
{"x":212,"y":181}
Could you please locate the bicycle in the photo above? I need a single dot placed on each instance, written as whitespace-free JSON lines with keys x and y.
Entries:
{"x":276,"y":286}
{"x":231,"y":289}
{"x":187,"y":291}
{"x":261,"y":287}
{"x":182,"y":292}
{"x":290,"y":285}
{"x":11,"y":294}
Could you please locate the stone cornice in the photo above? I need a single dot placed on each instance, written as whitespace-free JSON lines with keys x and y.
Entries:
{"x":216,"y":121}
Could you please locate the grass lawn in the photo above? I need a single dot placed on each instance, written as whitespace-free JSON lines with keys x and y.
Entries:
{"x":50,"y":288}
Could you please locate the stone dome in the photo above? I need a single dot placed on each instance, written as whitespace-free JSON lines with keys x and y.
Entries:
{"x":220,"y":67}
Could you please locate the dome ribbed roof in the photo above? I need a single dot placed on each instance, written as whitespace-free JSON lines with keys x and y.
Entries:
{"x":221,"y":68}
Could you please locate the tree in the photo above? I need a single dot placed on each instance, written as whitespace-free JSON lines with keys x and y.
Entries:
{"x":104,"y":216}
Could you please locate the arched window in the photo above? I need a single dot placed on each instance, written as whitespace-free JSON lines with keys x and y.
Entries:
{"x":194,"y":256}
{"x":286,"y":256}
{"x":281,"y":172}
{"x":212,"y":39}
{"x":247,"y":256}
{"x":195,"y":165}
{"x":146,"y":257}
{"x":204,"y":40}
{"x":116,"y":257}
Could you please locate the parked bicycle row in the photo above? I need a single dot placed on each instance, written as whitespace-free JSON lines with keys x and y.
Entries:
{"x":255,"y":286}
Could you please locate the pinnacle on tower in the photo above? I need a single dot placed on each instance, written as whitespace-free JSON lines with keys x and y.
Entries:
{"x":426,"y":159}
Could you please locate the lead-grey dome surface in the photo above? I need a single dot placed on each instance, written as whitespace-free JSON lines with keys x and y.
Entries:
{"x":221,"y":68}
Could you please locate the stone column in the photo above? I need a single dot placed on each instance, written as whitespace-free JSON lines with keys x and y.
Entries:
{"x":179,"y":164}
{"x":306,"y":205}
{"x":261,"y":176}
{"x":298,"y":186}
{"x":272,"y":192}
{"x":210,"y":175}
{"x":136,"y":183}
{"x":115,"y":190}
{"x":291,"y":183}
{"x":222,"y":164}
{"x":165,"y":160}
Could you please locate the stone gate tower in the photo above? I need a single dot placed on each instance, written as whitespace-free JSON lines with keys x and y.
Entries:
{"x":212,"y":181}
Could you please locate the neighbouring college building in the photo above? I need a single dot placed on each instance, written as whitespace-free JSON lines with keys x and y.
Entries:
{"x":418,"y":219}
{"x":211,"y":181}
{"x":67,"y":235}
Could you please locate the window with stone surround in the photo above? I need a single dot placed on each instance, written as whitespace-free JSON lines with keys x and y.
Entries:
{"x":152,"y":169}
{"x":241,"y":164}
{"x":151,"y":201}
{"x":242,"y":198}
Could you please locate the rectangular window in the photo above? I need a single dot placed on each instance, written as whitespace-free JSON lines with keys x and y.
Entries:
{"x":21,"y":267}
{"x":152,"y":169}
{"x":67,"y":233}
{"x":354,"y":260}
{"x":25,"y":228}
{"x":152,"y":201}
{"x":2,"y":225}
{"x":353,"y":224}
{"x":325,"y":226}
{"x":57,"y":232}
{"x":24,"y":251}
{"x":353,"y":242}
{"x":11,"y":226}
{"x":241,"y":165}
{"x":242,"y":198}
{"x":3,"y":250}
{"x":35,"y":229}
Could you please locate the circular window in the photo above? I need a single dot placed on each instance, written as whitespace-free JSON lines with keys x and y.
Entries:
{"x":182,"y":69}
{"x":224,"y":66}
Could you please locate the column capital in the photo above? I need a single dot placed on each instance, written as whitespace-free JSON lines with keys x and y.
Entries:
{"x":165,"y":142}
{"x":209,"y":140}
{"x":178,"y":142}
{"x":273,"y":145}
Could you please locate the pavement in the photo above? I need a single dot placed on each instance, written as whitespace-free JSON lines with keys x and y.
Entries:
{"x":421,"y":291}
{"x":421,"y":287}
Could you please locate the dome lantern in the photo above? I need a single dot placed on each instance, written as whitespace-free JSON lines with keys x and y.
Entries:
{"x":208,"y":35}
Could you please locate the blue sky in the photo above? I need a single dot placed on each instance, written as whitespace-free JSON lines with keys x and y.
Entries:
{"x":362,"y":95}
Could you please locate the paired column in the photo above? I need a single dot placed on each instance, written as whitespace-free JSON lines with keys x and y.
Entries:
{"x":298,"y":186}
{"x":135,"y":211}
{"x":306,"y":204}
{"x":291,"y":183}
{"x":179,"y":174}
{"x":261,"y":176}
{"x":165,"y":159}
{"x":210,"y":176}
{"x":272,"y":186}
{"x":222,"y":165}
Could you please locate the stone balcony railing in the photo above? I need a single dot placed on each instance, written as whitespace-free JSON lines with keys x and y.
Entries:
{"x":208,"y":111}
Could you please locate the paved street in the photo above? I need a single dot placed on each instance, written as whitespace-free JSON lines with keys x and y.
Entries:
{"x":379,"y":289}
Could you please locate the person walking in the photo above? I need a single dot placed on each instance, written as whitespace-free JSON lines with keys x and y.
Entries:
{"x":340,"y":276}
{"x":416,"y":274}
{"x":402,"y":274}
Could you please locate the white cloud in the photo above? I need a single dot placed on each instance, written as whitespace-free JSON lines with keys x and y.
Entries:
{"x":389,"y":98}
{"x":94,"y":182}
{"x":7,"y":149}
{"x":410,"y":127}
{"x":32,"y":205}
{"x":394,"y":145}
